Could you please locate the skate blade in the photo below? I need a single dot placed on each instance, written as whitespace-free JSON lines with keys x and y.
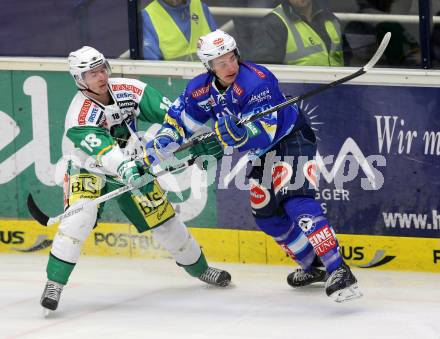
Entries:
{"x":46,"y":312}
{"x":349,"y":293}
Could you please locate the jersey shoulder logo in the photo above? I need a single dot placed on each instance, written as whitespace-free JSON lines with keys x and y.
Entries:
{"x":259,"y":73}
{"x":126,"y":87}
{"x":83,"y":112}
{"x":198,"y":92}
{"x":237,"y":89}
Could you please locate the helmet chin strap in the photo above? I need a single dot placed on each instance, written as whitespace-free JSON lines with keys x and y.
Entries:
{"x":98,"y":98}
{"x":89,"y":90}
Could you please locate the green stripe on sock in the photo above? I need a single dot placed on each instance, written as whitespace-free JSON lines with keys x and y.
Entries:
{"x":198,"y":268}
{"x":58,"y":270}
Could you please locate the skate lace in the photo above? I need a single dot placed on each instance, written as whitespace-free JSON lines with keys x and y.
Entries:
{"x":301,"y":275}
{"x":53,"y":291}
{"x":336,"y":275}
{"x":211,"y":275}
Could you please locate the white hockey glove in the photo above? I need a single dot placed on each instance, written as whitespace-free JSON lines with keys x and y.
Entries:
{"x":133,"y":173}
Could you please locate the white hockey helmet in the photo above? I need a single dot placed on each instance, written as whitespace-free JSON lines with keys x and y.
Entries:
{"x":213,"y":45}
{"x":83,"y":60}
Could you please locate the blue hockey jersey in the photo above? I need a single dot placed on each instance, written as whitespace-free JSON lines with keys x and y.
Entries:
{"x":255,"y":89}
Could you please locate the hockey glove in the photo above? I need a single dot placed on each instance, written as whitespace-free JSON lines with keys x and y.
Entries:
{"x":163,"y":145}
{"x":133,"y":173}
{"x":229,"y":133}
{"x":209,"y":146}
{"x":204,"y":149}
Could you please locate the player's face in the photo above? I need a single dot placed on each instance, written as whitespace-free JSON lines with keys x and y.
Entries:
{"x":225,"y":68}
{"x":97,"y":79}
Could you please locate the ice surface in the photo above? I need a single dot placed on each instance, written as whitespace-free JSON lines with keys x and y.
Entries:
{"x":133,"y":298}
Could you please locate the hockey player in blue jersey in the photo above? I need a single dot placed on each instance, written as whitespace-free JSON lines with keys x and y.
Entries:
{"x":284,"y":206}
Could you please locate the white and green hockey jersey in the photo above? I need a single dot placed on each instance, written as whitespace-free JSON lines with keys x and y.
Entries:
{"x":92,"y":130}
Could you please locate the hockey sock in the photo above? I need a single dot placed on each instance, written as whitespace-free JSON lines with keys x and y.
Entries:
{"x":58,"y":270}
{"x":291,"y":239}
{"x":299,"y":248}
{"x":198,"y":268}
{"x":309,"y":217}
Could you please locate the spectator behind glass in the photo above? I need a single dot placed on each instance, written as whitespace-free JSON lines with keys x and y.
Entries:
{"x":244,"y":27}
{"x":402,"y":51}
{"x":171,"y":28}
{"x":435,"y":44}
{"x":299,"y":32}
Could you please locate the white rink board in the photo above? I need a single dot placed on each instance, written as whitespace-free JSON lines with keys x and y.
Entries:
{"x":133,"y":298}
{"x":284,"y":73}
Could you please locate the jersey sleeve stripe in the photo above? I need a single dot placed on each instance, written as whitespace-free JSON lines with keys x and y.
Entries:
{"x":173,"y":122}
{"x":105,"y":150}
{"x":191,"y":124}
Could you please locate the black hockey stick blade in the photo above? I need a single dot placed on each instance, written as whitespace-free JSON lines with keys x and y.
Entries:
{"x":35,"y":212}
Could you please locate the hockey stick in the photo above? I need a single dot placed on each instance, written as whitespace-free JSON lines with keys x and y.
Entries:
{"x":45,"y":220}
{"x":380,"y":50}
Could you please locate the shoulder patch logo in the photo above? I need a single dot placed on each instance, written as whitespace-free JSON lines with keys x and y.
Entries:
{"x":200,"y":91}
{"x":83,"y":112}
{"x":257,"y":71}
{"x":126,"y":87}
{"x":237,"y":89}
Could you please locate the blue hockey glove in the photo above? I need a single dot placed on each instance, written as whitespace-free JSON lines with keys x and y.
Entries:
{"x":163,"y":145}
{"x":229,"y":133}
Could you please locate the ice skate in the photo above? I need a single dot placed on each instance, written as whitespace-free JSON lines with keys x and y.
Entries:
{"x":214,"y":276}
{"x":301,"y":278}
{"x":342,"y":285}
{"x":51,"y":296}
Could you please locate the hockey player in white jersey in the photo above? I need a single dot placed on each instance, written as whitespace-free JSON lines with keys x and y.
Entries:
{"x":100,"y":120}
